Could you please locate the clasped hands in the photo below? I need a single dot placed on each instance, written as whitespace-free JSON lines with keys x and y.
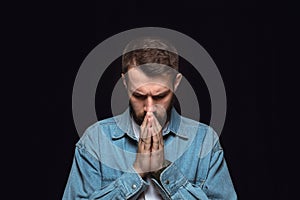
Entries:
{"x":150,"y":153}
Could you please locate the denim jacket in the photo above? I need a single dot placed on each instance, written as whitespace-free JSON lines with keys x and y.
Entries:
{"x":104,"y":156}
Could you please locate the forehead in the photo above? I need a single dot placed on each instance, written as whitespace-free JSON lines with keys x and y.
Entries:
{"x":139,"y":80}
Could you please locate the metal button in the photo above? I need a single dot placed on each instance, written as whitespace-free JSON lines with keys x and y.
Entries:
{"x":133,"y":186}
{"x":167,"y":182}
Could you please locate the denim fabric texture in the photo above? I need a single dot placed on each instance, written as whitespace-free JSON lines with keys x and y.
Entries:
{"x":104,"y":156}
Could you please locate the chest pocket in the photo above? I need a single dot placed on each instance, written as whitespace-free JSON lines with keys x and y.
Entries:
{"x":109,"y":175}
{"x":194,"y":169}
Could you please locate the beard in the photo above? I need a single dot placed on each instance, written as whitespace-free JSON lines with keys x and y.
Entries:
{"x":162,"y":118}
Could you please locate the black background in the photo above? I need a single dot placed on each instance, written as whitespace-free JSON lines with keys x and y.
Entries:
{"x":253,"y":44}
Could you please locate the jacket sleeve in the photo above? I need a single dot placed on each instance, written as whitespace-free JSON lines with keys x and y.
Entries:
{"x":217,"y":185}
{"x":85,"y":181}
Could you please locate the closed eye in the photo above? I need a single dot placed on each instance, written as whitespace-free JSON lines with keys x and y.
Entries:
{"x":161,"y":95}
{"x":139,"y":96}
{"x":158,"y":97}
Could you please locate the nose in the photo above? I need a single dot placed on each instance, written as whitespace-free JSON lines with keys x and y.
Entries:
{"x":149,"y":105}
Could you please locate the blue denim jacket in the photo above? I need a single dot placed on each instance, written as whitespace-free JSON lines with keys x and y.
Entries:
{"x":102,"y":166}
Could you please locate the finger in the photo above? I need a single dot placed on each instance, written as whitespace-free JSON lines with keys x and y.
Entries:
{"x":156,"y":127}
{"x":155,"y":139}
{"x":146,"y":143}
{"x":158,"y":131}
{"x":147,"y":137}
{"x":155,"y":145}
{"x":161,"y":143}
{"x":156,"y":123}
{"x":144,"y":124}
{"x":141,"y":146}
{"x":144,"y":129}
{"x":147,"y":147}
{"x":149,"y":125}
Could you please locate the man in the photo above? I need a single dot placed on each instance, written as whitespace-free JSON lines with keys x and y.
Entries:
{"x":149,"y":151}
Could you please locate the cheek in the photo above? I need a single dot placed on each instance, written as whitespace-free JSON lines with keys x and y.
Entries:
{"x":137,"y":105}
{"x":165,"y":103}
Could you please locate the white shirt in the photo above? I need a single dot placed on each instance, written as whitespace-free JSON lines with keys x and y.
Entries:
{"x":150,"y":193}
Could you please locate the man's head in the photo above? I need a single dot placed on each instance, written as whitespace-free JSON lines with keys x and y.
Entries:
{"x":150,"y":75}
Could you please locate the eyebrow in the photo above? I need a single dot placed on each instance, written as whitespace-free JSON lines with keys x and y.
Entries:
{"x":159,"y":94}
{"x":136,"y":92}
{"x":163,"y":93}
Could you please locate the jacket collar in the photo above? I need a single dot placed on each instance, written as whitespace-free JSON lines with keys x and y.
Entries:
{"x":124,"y":125}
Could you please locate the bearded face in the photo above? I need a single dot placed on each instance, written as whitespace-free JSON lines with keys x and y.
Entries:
{"x":162,"y":114}
{"x":150,"y":93}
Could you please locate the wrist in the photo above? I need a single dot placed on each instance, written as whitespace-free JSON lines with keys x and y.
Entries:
{"x":156,"y":174}
{"x":139,"y":171}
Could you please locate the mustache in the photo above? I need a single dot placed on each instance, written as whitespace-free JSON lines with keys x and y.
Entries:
{"x":140,"y":118}
{"x":145,"y":113}
{"x":161,"y":119}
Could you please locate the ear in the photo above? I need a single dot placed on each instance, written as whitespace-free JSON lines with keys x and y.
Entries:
{"x":124,"y":80}
{"x":177,"y":81}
